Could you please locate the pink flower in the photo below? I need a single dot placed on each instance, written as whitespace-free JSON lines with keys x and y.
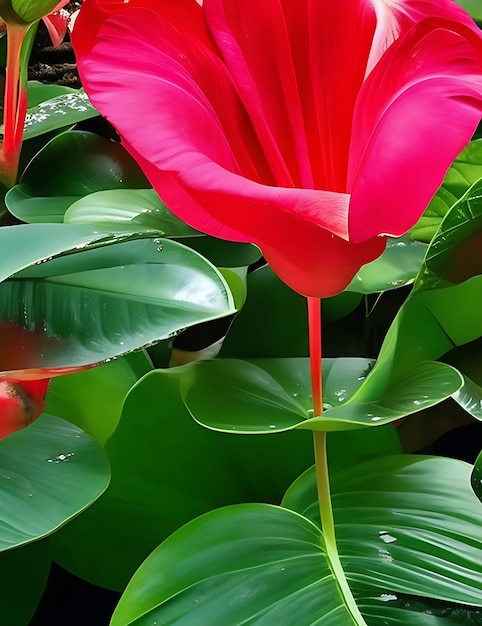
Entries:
{"x":312,"y":128}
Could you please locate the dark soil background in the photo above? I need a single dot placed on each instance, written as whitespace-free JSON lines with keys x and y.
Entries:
{"x":49,"y":64}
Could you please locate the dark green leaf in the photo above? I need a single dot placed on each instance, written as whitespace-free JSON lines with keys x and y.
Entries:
{"x":23,"y":576}
{"x":72,"y":165}
{"x":49,"y":472}
{"x":166,"y":470}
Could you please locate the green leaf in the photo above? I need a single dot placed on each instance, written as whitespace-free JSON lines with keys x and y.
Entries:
{"x":59,"y":111}
{"x":246,"y":564}
{"x":23,"y":577}
{"x":49,"y":472}
{"x":131,"y":207}
{"x":464,"y":172}
{"x":142,"y":291}
{"x":472,"y":7}
{"x":476,"y":477}
{"x":274,"y":396}
{"x":398,"y":266}
{"x":72,"y":165}
{"x":261,"y":331}
{"x":30,"y":10}
{"x":408,"y":524}
{"x":400,"y":531}
{"x":38,"y":92}
{"x":93,"y":399}
{"x":166,"y":470}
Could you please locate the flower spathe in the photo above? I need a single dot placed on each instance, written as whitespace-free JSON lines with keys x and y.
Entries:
{"x":311,"y":128}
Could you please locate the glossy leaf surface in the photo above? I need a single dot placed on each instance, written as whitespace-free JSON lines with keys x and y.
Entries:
{"x":463,"y":173}
{"x":476,"y":478}
{"x":263,"y":565}
{"x":443,"y":310}
{"x":49,"y":472}
{"x":93,"y":399}
{"x":398,"y":266}
{"x":131,"y":207}
{"x":57,"y":112}
{"x":72,"y":165}
{"x":119,"y":292}
{"x":166,"y":470}
{"x":250,"y":563}
{"x":273,"y":396}
{"x":410,"y":533}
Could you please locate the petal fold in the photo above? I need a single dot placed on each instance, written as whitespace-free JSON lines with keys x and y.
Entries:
{"x":415,"y":112}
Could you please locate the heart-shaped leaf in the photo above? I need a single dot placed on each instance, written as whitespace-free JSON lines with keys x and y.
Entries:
{"x":399,"y":531}
{"x":166,"y":470}
{"x":252,"y":400}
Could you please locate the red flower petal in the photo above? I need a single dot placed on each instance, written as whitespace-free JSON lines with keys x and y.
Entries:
{"x":414,"y":115}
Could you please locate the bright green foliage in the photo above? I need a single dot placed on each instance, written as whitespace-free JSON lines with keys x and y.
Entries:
{"x":399,"y":531}
{"x":273,"y":396}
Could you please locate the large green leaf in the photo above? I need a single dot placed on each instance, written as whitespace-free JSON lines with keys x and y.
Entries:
{"x":93,"y":399}
{"x":273,"y":396}
{"x":23,"y":577}
{"x":443,"y":310}
{"x":59,"y":111}
{"x":398,"y":266}
{"x":399,"y":531}
{"x":248,"y":564}
{"x":49,"y":472}
{"x":464,"y":172}
{"x":72,"y":165}
{"x":142,"y":208}
{"x":167,"y":470}
{"x":82,"y":296}
{"x":131,"y":207}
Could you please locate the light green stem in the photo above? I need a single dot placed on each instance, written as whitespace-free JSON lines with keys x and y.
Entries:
{"x":321,"y":465}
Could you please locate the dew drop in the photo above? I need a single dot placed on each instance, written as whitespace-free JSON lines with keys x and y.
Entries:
{"x":388,"y":597}
{"x":386,"y":537}
{"x":385,"y":556}
{"x":61,"y":458}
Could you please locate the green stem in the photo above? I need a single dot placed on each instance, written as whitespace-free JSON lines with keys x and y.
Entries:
{"x":321,"y":464}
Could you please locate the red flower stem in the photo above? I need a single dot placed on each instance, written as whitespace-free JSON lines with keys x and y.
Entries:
{"x":14,"y":106}
{"x":321,"y":464}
